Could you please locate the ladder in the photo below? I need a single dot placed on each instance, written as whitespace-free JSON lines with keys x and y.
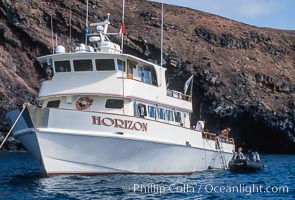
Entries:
{"x":220,"y":153}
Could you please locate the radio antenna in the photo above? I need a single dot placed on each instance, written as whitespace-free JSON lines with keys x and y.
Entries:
{"x":70,"y":27}
{"x":123,"y":26}
{"x":162,"y":25}
{"x":52,"y":40}
{"x":86,"y":26}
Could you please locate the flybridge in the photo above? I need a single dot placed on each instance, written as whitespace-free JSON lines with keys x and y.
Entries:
{"x":99,"y":41}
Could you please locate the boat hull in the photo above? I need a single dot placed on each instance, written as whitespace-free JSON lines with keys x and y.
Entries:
{"x":101,"y":150}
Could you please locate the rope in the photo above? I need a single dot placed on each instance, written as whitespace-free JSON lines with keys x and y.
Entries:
{"x":8,"y":134}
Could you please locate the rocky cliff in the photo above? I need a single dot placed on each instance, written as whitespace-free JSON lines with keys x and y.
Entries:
{"x":244,"y":76}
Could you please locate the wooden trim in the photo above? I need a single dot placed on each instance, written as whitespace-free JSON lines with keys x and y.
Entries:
{"x":210,"y":136}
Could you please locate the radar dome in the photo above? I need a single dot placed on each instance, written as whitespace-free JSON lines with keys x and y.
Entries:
{"x":60,"y":49}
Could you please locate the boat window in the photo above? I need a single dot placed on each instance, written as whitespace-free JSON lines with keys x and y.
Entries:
{"x":62,"y":66}
{"x":152,"y":111}
{"x":142,"y":110}
{"x":131,"y":65}
{"x":83,"y":65}
{"x":53,"y":104}
{"x":121,"y":65}
{"x":140,"y":73}
{"x":170,"y":115}
{"x":147,"y":74}
{"x":105,"y":64}
{"x":177,"y":116}
{"x":114,"y":103}
{"x":154,"y":77}
{"x":161,"y":113}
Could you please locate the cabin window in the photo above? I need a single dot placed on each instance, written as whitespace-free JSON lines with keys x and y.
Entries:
{"x":170,"y":115}
{"x":105,"y":64}
{"x":152,"y":111}
{"x":147,"y":74}
{"x":114,"y":103}
{"x":62,"y":66}
{"x":83,"y":65}
{"x":140,"y":72}
{"x":121,"y":65}
{"x":130,"y":67}
{"x":154,"y":77}
{"x":53,"y":104}
{"x":177,"y":116}
{"x":161,"y":113}
{"x":142,"y":110}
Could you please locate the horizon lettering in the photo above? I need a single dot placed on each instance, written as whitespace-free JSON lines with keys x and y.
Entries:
{"x":119,"y":123}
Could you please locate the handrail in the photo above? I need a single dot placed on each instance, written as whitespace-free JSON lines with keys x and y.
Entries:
{"x":179,"y":95}
{"x":212,"y":136}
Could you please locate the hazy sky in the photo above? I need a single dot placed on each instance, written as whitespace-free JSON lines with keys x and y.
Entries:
{"x":264,"y":13}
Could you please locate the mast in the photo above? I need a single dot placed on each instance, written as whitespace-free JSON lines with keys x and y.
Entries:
{"x":52,"y":40}
{"x":123,"y":26}
{"x":162,"y":25}
{"x":86,"y":26}
{"x":70,"y":28}
{"x":122,"y":45}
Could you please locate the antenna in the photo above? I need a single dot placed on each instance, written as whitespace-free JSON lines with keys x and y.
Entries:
{"x":86,"y":26}
{"x":123,"y":26}
{"x":52,"y":41}
{"x":70,"y":28}
{"x":162,"y":18}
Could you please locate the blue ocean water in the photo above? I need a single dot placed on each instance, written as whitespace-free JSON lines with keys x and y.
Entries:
{"x":21,"y":178}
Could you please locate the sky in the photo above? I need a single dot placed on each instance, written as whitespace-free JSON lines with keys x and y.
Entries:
{"x":263,"y":13}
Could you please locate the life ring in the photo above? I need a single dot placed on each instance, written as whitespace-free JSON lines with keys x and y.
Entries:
{"x":84,"y":103}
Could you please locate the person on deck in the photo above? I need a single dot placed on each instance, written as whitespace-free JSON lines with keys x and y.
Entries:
{"x":225,"y":133}
{"x":200,"y":126}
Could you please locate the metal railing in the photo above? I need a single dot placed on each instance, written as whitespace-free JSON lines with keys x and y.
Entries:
{"x":179,"y":95}
{"x":213,"y":136}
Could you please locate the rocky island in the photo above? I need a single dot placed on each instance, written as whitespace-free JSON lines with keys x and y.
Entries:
{"x":244,"y":76}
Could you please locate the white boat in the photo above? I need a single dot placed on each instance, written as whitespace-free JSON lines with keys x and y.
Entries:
{"x":103,"y":111}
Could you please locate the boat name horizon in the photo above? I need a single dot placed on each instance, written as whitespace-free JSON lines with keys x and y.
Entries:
{"x":119,"y":123}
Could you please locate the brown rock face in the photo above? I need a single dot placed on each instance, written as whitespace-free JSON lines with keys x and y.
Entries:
{"x":244,"y":75}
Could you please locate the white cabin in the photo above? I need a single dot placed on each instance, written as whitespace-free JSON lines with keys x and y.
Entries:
{"x":115,"y":82}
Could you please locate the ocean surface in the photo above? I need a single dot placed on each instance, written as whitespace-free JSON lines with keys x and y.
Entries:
{"x":21,"y":178}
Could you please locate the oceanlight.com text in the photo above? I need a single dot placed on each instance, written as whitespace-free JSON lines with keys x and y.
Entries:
{"x":159,"y":189}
